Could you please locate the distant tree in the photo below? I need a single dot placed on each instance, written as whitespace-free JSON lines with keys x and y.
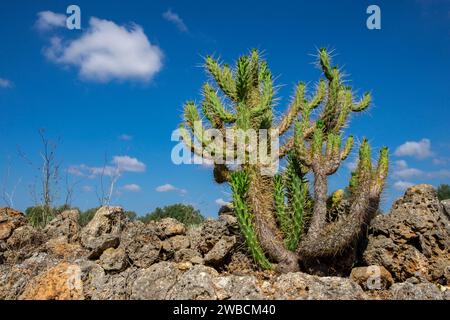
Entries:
{"x":186,"y":214}
{"x":87,"y":216}
{"x":45,"y":195}
{"x":8,"y":191}
{"x":37,"y":214}
{"x":443,"y":192}
{"x":131,"y":215}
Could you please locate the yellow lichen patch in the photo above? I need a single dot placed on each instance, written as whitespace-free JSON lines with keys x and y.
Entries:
{"x":59,"y":247}
{"x":62,"y":282}
{"x":183,"y":266}
{"x":337,"y":197}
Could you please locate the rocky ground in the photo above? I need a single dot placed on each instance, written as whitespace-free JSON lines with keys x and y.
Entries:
{"x":407,"y":257}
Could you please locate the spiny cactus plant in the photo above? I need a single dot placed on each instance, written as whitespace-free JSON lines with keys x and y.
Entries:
{"x":281,"y":221}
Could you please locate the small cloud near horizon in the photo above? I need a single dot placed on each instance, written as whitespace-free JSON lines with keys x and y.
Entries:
{"x":5,"y":83}
{"x":402,"y":185}
{"x":417,"y":149}
{"x":125,"y":137}
{"x":168,"y":187}
{"x":221,"y":202}
{"x":87,"y":189}
{"x":119,"y":165}
{"x":132,"y":187}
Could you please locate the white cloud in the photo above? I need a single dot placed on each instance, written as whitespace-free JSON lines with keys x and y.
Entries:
{"x":131,"y":187}
{"x":107,"y":51}
{"x":165,"y":188}
{"x":439,"y":174}
{"x":401,"y":164}
{"x":173,"y":17}
{"x":418,"y":149}
{"x":126,"y":163}
{"x":125,"y":137}
{"x":48,"y":20}
{"x":352,"y":165}
{"x":168,"y":187}
{"x":440,"y":161}
{"x":5,"y":83}
{"x":76,"y":170}
{"x":408,"y":173}
{"x":120,"y":165}
{"x":403,"y":171}
{"x":402,"y":185}
{"x":108,"y":171}
{"x":221,"y":202}
{"x":83,"y":170}
{"x":87,"y":189}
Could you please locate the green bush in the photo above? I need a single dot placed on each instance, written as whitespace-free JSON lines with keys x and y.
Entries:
{"x":443,"y":192}
{"x":186,"y":214}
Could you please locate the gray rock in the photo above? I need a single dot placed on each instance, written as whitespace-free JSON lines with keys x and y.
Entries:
{"x":237,"y":288}
{"x":103,"y":231}
{"x":226,"y":209}
{"x":187,"y":254}
{"x":98,"y":285}
{"x":169,"y":227}
{"x":154,"y":283}
{"x":211,"y":231}
{"x":141,"y":244}
{"x":173,"y":244}
{"x":13,"y":279}
{"x":446,"y":294}
{"x":104,"y":242}
{"x":114,"y":260}
{"x":220,"y":251}
{"x":23,"y":243}
{"x":411,"y":290}
{"x":65,"y":225}
{"x":10,"y":220}
{"x":195,"y":284}
{"x":413,"y":237}
{"x":306,"y":287}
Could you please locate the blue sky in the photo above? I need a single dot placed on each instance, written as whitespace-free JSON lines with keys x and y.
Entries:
{"x":124,"y":111}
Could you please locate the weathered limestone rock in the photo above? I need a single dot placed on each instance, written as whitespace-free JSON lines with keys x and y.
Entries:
{"x":155,"y":282}
{"x":65,"y":225}
{"x":141,"y":244}
{"x":62,"y":282}
{"x":10,"y":220}
{"x":414,"y":289}
{"x":114,"y":260}
{"x":169,"y":227}
{"x":103,"y":231}
{"x":195,"y":284}
{"x":220,"y":251}
{"x":303,"y":286}
{"x":237,"y":288}
{"x":413,"y":237}
{"x":63,"y":249}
